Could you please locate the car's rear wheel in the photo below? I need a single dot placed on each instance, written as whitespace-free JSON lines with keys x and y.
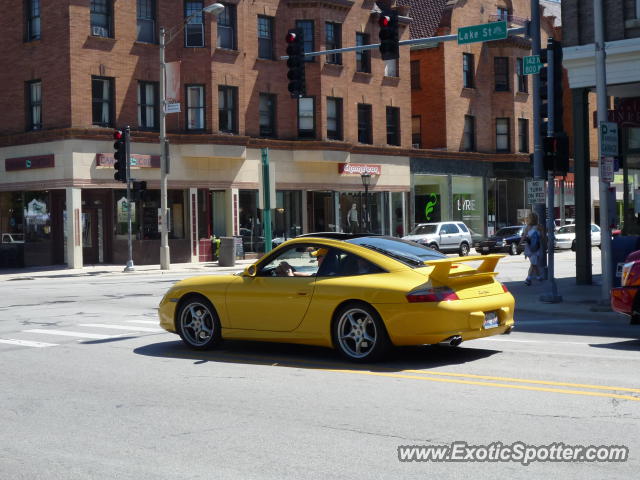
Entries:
{"x":359,"y":333}
{"x":464,"y":249}
{"x":197,"y":323}
{"x":513,"y":249}
{"x":433,"y":246}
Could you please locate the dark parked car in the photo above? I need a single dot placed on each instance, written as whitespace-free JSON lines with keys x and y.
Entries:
{"x":507,"y":239}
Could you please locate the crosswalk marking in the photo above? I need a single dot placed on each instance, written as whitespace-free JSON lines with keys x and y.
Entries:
{"x":26,"y":343}
{"x":121,"y":327}
{"x":67,"y":333}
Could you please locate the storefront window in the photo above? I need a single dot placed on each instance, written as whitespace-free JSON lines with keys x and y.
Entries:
{"x":287,"y":216}
{"x":468,"y":202}
{"x":397,"y":216}
{"x":37,"y":216}
{"x":144,"y":215}
{"x":431,"y":198}
{"x":250,"y":219}
{"x":11,"y":213}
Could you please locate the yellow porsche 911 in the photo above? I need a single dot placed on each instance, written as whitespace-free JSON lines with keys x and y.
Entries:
{"x":360,"y":294}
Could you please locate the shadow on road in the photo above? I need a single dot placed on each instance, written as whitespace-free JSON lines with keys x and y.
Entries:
{"x":628,"y":345}
{"x":301,"y":356}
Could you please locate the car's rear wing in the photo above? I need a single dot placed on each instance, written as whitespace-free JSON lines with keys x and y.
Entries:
{"x":444,"y":269}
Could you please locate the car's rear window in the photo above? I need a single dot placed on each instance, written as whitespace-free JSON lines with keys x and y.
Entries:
{"x":424,"y":229}
{"x":505,"y":232}
{"x":409,"y":253}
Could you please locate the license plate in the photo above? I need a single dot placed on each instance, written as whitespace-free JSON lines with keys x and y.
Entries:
{"x":490,"y":320}
{"x":485,"y":249}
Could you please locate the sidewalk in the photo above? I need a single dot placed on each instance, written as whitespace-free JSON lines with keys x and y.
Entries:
{"x":578,"y":301}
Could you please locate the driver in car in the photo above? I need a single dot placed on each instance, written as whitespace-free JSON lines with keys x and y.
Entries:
{"x":286,"y":270}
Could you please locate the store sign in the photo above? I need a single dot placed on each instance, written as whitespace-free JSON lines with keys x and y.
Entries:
{"x":626,"y":113}
{"x":137,"y":161}
{"x":359,"y":169}
{"x":29,"y":163}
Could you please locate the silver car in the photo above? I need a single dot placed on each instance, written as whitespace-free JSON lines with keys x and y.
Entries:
{"x":442,"y":236}
{"x":565,"y":237}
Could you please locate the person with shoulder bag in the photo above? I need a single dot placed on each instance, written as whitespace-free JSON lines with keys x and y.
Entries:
{"x":533,"y":248}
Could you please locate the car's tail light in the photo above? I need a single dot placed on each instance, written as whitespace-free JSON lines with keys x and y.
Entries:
{"x":504,"y":288}
{"x":437,"y":294}
{"x":631,"y":274}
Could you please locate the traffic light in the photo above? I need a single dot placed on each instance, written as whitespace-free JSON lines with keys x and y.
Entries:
{"x":388,"y":35}
{"x":295,"y":62}
{"x":139,"y":190}
{"x":543,"y":74}
{"x":556,"y":154}
{"x":120,"y":155}
{"x":556,"y":84}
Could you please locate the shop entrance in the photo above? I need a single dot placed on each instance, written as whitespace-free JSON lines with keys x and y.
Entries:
{"x":321,"y":212}
{"x":92,"y":235}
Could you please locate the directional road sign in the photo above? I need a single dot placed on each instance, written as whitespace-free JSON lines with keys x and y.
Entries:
{"x":609,"y":139}
{"x":531,"y":65}
{"x":482,"y":33}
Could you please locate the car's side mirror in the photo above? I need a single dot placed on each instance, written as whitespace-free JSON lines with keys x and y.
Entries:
{"x":250,"y":271}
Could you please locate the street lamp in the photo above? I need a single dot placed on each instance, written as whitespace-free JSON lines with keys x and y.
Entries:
{"x":214,"y":9}
{"x":366,"y":181}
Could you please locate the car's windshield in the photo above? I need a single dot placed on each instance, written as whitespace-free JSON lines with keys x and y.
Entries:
{"x":508,"y":231}
{"x":424,"y":229}
{"x":409,"y":253}
{"x":567,"y":229}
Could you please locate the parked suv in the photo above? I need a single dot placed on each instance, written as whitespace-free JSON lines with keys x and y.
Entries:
{"x":443,"y":236}
{"x":507,"y":239}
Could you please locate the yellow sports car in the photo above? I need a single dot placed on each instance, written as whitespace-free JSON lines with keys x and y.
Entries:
{"x":360,"y":294}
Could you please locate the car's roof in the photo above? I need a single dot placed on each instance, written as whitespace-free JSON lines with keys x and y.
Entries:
{"x":338,"y":235}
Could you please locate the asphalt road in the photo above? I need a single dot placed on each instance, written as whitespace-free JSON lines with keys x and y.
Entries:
{"x":90,"y":389}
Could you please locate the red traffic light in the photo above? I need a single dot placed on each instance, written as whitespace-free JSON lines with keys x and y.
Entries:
{"x":118,"y":135}
{"x":384,"y":21}
{"x":291,"y":37}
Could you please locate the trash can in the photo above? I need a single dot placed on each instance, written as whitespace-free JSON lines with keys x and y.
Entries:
{"x":621,"y":247}
{"x":227,"y":253}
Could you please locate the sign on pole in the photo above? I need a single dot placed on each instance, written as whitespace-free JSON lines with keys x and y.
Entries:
{"x":535,"y":192}
{"x":606,"y":169}
{"x":608,"y":139}
{"x":531,"y":65}
{"x":483,"y":33}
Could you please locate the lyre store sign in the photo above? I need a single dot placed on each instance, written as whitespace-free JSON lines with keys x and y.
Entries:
{"x":29,"y":163}
{"x":139,"y":161}
{"x":359,"y":169}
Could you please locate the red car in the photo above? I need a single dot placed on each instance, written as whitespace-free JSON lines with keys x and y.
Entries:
{"x":625,"y":299}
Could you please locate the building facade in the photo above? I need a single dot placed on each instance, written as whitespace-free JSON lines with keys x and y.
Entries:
{"x":474,"y":105}
{"x":81,"y":69}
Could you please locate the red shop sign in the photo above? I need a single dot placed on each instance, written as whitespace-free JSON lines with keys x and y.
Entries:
{"x":359,"y":169}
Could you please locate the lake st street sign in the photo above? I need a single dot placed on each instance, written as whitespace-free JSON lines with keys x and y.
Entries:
{"x":482,"y":33}
{"x":531,"y":65}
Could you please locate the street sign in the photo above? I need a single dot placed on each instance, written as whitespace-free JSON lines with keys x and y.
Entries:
{"x":531,"y":65}
{"x":482,"y":33}
{"x":609,"y":139}
{"x":535,"y":192}
{"x":606,"y":169}
{"x":172,"y":107}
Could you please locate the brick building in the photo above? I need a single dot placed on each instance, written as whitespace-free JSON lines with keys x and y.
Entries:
{"x":75,"y":70}
{"x":472,"y":104}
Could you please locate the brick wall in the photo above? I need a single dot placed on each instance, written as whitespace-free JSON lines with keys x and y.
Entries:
{"x":67,"y":57}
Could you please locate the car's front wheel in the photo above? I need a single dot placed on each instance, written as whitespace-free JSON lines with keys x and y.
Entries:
{"x":513,"y":249}
{"x":197,"y":323}
{"x":359,"y":333}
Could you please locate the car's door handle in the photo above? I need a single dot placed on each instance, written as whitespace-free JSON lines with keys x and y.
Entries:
{"x":302,"y":293}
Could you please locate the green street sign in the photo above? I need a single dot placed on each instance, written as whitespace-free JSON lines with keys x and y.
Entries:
{"x":531,"y":65}
{"x":483,"y":33}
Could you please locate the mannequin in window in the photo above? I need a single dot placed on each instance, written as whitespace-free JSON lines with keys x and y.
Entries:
{"x":352,"y":219}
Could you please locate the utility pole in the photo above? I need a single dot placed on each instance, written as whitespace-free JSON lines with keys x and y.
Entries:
{"x":127,"y":149}
{"x":601,"y":90}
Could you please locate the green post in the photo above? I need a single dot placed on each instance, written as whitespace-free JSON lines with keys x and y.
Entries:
{"x":266,"y":214}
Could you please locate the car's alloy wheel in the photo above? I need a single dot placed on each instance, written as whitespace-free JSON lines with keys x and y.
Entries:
{"x":513,"y":249}
{"x":359,"y":334}
{"x":433,"y":246}
{"x":464,"y":249}
{"x":197,"y":323}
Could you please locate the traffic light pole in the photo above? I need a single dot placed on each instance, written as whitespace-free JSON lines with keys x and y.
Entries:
{"x":552,"y":296}
{"x":127,"y":149}
{"x":165,"y":256}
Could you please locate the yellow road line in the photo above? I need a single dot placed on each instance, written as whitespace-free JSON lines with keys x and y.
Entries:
{"x":523,"y":380}
{"x":437,"y":377}
{"x":490,"y":384}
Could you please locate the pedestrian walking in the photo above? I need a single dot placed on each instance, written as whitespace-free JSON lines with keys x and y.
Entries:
{"x":532,"y":240}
